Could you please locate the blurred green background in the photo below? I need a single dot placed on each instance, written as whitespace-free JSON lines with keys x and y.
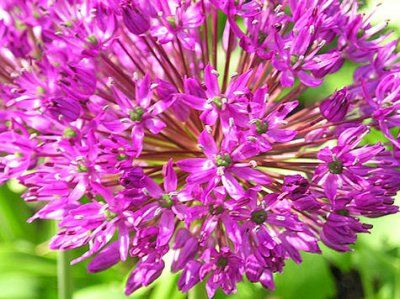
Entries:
{"x":28,"y":269}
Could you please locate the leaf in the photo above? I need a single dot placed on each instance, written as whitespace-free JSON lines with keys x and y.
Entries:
{"x":373,"y":137}
{"x":13,"y":215}
{"x":14,"y":260}
{"x":18,"y":286}
{"x":166,"y":287}
{"x":310,"y":279}
{"x":101,"y":291}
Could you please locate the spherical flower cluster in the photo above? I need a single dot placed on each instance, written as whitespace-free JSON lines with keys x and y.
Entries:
{"x":171,"y":126}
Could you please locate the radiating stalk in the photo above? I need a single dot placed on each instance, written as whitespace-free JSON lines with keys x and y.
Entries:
{"x":64,"y":275}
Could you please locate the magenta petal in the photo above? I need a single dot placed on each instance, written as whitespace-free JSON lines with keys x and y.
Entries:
{"x":251,"y":174}
{"x":152,"y":187}
{"x":202,"y":176}
{"x":187,"y":252}
{"x":325,"y":154}
{"x":123,"y":238}
{"x":136,"y":20}
{"x":253,"y":268}
{"x":267,"y":280}
{"x":232,"y":186}
{"x":78,"y":191}
{"x":287,"y":79}
{"x":107,"y":258}
{"x":281,"y":135}
{"x":352,"y":137}
{"x":187,"y":40}
{"x":239,"y":84}
{"x":245,"y":151}
{"x":161,"y":106}
{"x":309,"y":80}
{"x":166,"y":226}
{"x":209,"y":117}
{"x":190,"y":276}
{"x":194,"y":164}
{"x":148,"y":212}
{"x":336,"y":107}
{"x":193,"y":101}
{"x":232,"y":231}
{"x":113,"y":122}
{"x":206,"y":140}
{"x":193,"y":87}
{"x":115,"y":125}
{"x":211,"y":81}
{"x":143,"y":92}
{"x":330,"y":186}
{"x":123,"y":101}
{"x":144,"y":274}
{"x":366,"y":153}
{"x":259,"y":107}
{"x":208,"y":227}
{"x":65,"y":109}
{"x":170,"y":178}
{"x":155,"y":125}
{"x":137,"y":139}
{"x":193,"y":17}
{"x":211,"y":288}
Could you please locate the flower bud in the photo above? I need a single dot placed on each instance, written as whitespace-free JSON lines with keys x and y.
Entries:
{"x":133,"y":178}
{"x":335,"y":108}
{"x":146,"y":271}
{"x":135,"y":19}
{"x":105,"y":259}
{"x":65,"y":109}
{"x":295,"y":185}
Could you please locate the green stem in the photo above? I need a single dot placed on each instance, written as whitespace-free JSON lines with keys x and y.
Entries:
{"x":64,"y":276}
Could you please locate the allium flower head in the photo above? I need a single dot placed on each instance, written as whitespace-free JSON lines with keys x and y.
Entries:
{"x":154,"y":127}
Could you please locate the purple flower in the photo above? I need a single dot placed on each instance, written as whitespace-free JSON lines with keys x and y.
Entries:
{"x":186,"y":245}
{"x":178,"y":22}
{"x":133,"y":178}
{"x":294,"y":56}
{"x":232,"y":105}
{"x":222,"y":165}
{"x":63,"y":109}
{"x":265,"y":128}
{"x":105,"y":259}
{"x":190,"y":276}
{"x":138,"y":116}
{"x":343,"y":164}
{"x":340,"y":231}
{"x":17,"y":152}
{"x":146,"y":271}
{"x":220,"y":212}
{"x":224,"y":268}
{"x":151,"y":140}
{"x":384,"y":106}
{"x":136,"y":19}
{"x":335,"y":108}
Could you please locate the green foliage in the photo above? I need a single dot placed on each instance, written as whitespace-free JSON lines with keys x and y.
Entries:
{"x":310,"y":279}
